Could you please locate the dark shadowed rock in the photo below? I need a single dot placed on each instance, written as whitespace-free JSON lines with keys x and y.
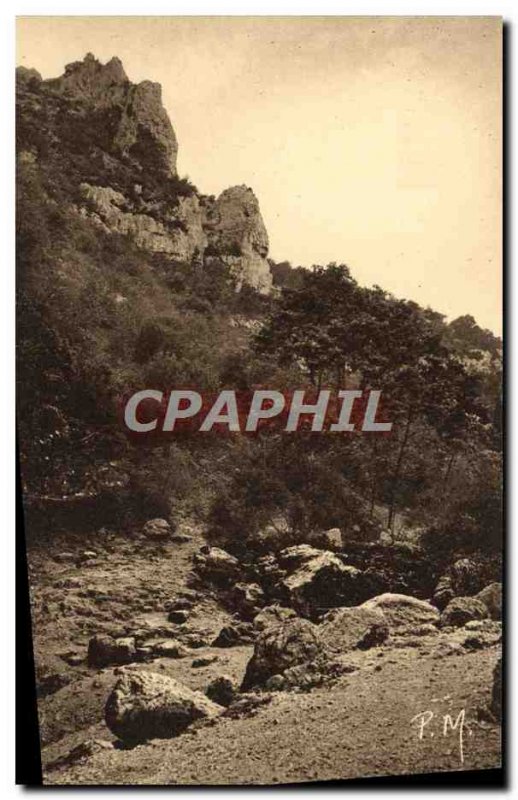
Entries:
{"x":281,"y":647}
{"x":491,"y":596}
{"x":461,"y":610}
{"x":145,"y":705}
{"x":272,"y":615}
{"x":104,"y":651}
{"x":319,"y":580}
{"x":248,"y":598}
{"x":344,"y":629}
{"x":221,"y":690}
{"x":443,"y":592}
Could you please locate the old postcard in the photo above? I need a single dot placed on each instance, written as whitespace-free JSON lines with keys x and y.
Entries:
{"x":259,"y":395}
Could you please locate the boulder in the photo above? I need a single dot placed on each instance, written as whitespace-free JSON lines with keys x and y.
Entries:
{"x":157,"y":530}
{"x":272,"y":615}
{"x":281,"y":647}
{"x":461,"y":610}
{"x":104,"y":651}
{"x":145,"y":705}
{"x":403,"y":611}
{"x":491,"y":596}
{"x":217,"y":565}
{"x":319,"y":580}
{"x":221,"y":690}
{"x":344,"y":629}
{"x":496,"y":695}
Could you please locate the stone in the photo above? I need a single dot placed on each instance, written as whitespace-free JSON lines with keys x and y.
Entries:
{"x":443,"y":592}
{"x":228,"y":636}
{"x":491,"y":596}
{"x":332,"y":539}
{"x":104,"y":650}
{"x":345,"y":629}
{"x":221,"y":690}
{"x":320,"y":580}
{"x":64,"y":557}
{"x":403,"y":611}
{"x":272,"y":615}
{"x":461,"y":610}
{"x":204,"y":661}
{"x":217,"y":565}
{"x":281,"y":647}
{"x":170,"y":648}
{"x":178,"y":616}
{"x":157,"y":530}
{"x":248,"y":598}
{"x":146,"y":705}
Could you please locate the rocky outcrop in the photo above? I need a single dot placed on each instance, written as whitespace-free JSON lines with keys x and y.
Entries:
{"x":114,"y":141}
{"x":237,"y":235}
{"x":145,"y":705}
{"x":140,"y":126}
{"x":461,"y":610}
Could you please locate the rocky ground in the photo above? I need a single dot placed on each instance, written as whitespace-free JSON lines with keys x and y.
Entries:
{"x":390,"y":707}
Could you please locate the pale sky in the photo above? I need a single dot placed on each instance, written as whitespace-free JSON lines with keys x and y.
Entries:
{"x":375,"y":142}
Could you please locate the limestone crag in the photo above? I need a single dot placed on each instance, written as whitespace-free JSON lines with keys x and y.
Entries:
{"x":115,"y":143}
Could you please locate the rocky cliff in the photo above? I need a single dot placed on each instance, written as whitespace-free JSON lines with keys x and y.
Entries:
{"x":111,"y":150}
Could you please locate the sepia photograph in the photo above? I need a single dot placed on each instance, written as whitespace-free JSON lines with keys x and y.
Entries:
{"x":259,"y":320}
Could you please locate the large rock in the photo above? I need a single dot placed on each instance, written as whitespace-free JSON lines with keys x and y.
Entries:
{"x":217,"y":565}
{"x":319,"y":580}
{"x":104,"y":651}
{"x":491,"y":596}
{"x":281,"y":647}
{"x":344,"y":629}
{"x":403,"y":611}
{"x":145,"y":705}
{"x":157,"y":530}
{"x":461,"y":610}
